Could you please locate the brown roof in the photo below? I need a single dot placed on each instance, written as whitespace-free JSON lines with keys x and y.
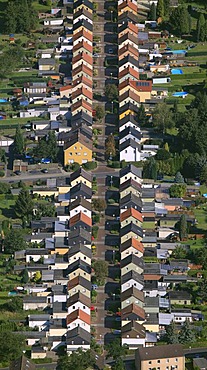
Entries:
{"x":131,"y":212}
{"x":80,"y":217}
{"x":152,"y":277}
{"x":84,"y":57}
{"x":77,"y":137}
{"x":128,"y":36}
{"x":133,"y":84}
{"x":158,"y":352}
{"x":132,"y":291}
{"x":130,"y":71}
{"x":128,"y":3}
{"x":129,"y":182}
{"x":132,"y":308}
{"x":78,"y":314}
{"x":132,"y":242}
{"x":134,"y":28}
{"x":67,"y":87}
{"x":81,"y":104}
{"x":132,"y":329}
{"x":83,"y":44}
{"x":82,"y":91}
{"x":84,"y":33}
{"x":82,"y":68}
{"x":22,"y":363}
{"x":129,"y":94}
{"x":83,"y":80}
{"x":128,"y":50}
{"x":78,"y":297}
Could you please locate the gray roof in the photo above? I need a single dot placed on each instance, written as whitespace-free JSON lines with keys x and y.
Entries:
{"x":131,"y":168}
{"x":77,"y":336}
{"x":201,"y":363}
{"x":158,"y":352}
{"x":46,"y":61}
{"x":181,"y":295}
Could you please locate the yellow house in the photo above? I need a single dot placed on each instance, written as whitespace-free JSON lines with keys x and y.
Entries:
{"x":78,"y":149}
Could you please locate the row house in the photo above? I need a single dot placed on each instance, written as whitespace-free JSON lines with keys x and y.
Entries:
{"x":78,"y":145}
{"x":132,"y":265}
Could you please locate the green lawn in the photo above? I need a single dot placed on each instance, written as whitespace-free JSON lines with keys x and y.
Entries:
{"x":201,"y":217}
{"x":7,"y":208}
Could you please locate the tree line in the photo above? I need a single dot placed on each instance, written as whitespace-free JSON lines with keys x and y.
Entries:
{"x":20,"y":16}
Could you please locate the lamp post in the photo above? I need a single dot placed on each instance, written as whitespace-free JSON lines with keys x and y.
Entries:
{"x":112,"y":107}
{"x":111,"y":15}
{"x":113,"y":256}
{"x":111,"y":75}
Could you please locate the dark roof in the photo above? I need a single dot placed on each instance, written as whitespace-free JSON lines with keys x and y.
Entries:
{"x":81,"y":117}
{"x":132,"y":291}
{"x":133,"y":329}
{"x":87,"y":3}
{"x":81,"y":172}
{"x":83,"y":23}
{"x":128,"y":17}
{"x":77,"y":136}
{"x":79,"y":280}
{"x":79,"y":236}
{"x":131,"y":198}
{"x":132,"y":275}
{"x":179,"y":295}
{"x":80,"y":201}
{"x":131,"y":168}
{"x":130,"y":142}
{"x":128,"y":118}
{"x":132,"y":258}
{"x":128,"y":106}
{"x":78,"y":336}
{"x":22,"y":363}
{"x":81,"y":190}
{"x":158,"y":352}
{"x":131,"y":228}
{"x":130,"y":130}
{"x":79,"y":248}
{"x":79,"y":264}
{"x":128,"y":183}
{"x":78,"y":297}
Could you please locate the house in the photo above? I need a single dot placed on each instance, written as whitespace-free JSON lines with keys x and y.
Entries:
{"x":77,"y":149}
{"x":79,"y":284}
{"x":132,"y":278}
{"x":78,"y":338}
{"x":83,"y":4}
{"x":22,"y":363}
{"x":131,"y":215}
{"x":46,"y":64}
{"x":79,"y":268}
{"x":38,"y":353}
{"x":179,"y":297}
{"x":130,"y":201}
{"x":80,"y":220}
{"x":80,"y":205}
{"x":131,"y":246}
{"x":130,"y":133}
{"x":81,"y":119}
{"x":78,"y":301}
{"x":65,"y":91}
{"x":39,"y":321}
{"x":78,"y":236}
{"x":132,"y":296}
{"x":131,"y":231}
{"x":79,"y":176}
{"x":36,"y":303}
{"x":169,"y":356}
{"x":35,"y":88}
{"x":81,"y":190}
{"x":78,"y":318}
{"x":130,"y":186}
{"x":131,"y":172}
{"x":133,"y":335}
{"x":130,"y":151}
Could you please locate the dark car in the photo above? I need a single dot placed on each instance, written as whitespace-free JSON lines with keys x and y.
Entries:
{"x":17,"y":172}
{"x":45,"y":170}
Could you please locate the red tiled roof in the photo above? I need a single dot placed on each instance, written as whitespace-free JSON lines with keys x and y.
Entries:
{"x":78,"y":314}
{"x":131,"y":212}
{"x":80,"y":217}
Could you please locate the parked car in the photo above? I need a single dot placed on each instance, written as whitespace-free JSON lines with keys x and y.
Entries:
{"x":94,"y":286}
{"x":110,"y":51}
{"x":45,"y":170}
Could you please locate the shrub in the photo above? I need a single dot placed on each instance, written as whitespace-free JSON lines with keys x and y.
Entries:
{"x":2,"y":173}
{"x":90,"y":165}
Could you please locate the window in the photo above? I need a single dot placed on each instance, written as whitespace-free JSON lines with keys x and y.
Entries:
{"x":158,"y":361}
{"x":149,"y":362}
{"x":176,"y":360}
{"x":167,"y":360}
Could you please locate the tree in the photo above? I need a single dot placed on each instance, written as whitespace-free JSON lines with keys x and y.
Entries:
{"x":177,"y":190}
{"x":24,"y":205}
{"x":37,"y":276}
{"x":179,"y":179}
{"x":111,"y":92}
{"x":163,"y":154}
{"x":150,"y":169}
{"x":201,"y":28}
{"x":100,"y":113}
{"x":101,"y":271}
{"x":25,"y":276}
{"x":45,"y":211}
{"x":79,"y":360}
{"x":180,"y":20}
{"x":179,"y":253}
{"x":160,"y":9}
{"x":20,"y":16}
{"x":14,"y":241}
{"x":110,"y":146}
{"x":4,"y":188}
{"x":115,"y":350}
{"x":14,"y":305}
{"x":11,"y":345}
{"x":119,"y":363}
{"x":183,"y":227}
{"x":141,"y":115}
{"x":203,"y":174}
{"x":171,"y":335}
{"x":99,"y":205}
{"x":186,"y":334}
{"x":152,"y":12}
{"x":18,"y":142}
{"x":52,"y":146}
{"x":162,"y":117}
